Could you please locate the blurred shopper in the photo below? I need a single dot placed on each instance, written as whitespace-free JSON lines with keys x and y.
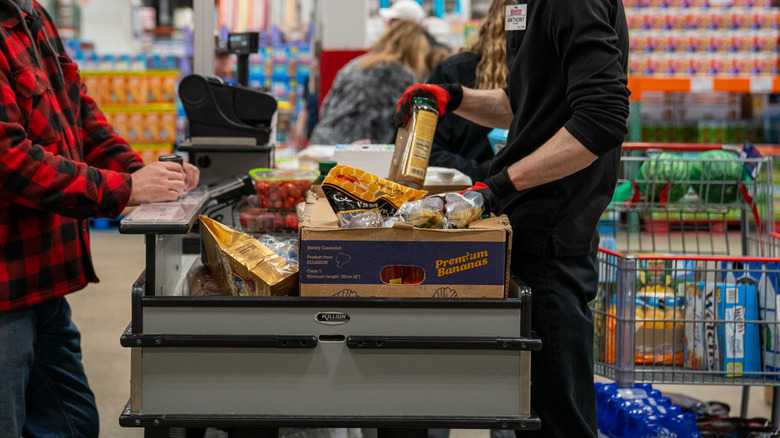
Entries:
{"x":223,"y":62}
{"x":363,"y":98}
{"x":413,"y":11}
{"x":60,"y":164}
{"x":459,"y":143}
{"x":404,"y":10}
{"x":309,"y":114}
{"x":566,"y":107}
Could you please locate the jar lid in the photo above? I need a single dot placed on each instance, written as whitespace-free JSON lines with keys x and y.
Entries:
{"x":325,"y":166}
{"x":423,"y":101}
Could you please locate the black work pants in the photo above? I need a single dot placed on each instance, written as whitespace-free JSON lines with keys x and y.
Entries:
{"x":562,"y":392}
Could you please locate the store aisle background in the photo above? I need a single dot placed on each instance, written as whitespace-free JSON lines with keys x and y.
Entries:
{"x":102,"y":313}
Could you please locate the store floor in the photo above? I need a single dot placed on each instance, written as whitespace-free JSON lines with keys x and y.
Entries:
{"x":102,"y":312}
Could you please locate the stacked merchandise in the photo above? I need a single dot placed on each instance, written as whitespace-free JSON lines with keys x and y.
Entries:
{"x":697,"y":118}
{"x":701,"y":40}
{"x":243,"y":15}
{"x":683,"y":38}
{"x":136,"y":94}
{"x":89,"y":60}
{"x":703,"y":131}
{"x":283,"y":62}
{"x":643,"y":412}
{"x":282,"y":68}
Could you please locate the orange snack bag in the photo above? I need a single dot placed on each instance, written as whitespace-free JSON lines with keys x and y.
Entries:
{"x":355,"y":191}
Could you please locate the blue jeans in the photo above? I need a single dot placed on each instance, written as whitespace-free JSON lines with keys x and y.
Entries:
{"x":43,"y":389}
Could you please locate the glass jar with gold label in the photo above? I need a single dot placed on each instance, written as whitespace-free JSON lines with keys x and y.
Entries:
{"x":413,"y":144}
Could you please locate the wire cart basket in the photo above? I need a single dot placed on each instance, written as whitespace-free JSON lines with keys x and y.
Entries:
{"x":689,"y":274}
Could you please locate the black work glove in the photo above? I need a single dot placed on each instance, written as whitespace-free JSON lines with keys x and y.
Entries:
{"x":494,"y":189}
{"x":446,"y":96}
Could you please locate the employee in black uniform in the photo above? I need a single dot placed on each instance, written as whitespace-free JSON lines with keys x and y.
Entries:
{"x":566,"y":107}
{"x":459,"y":143}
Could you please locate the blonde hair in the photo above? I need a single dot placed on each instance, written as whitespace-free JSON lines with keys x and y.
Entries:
{"x":490,"y":45}
{"x":404,"y":42}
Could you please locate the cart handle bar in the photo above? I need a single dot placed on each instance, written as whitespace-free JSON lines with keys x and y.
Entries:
{"x":694,"y":257}
{"x":691,"y":147}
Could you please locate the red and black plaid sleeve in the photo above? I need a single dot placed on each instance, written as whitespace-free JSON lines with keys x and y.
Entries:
{"x":60,"y":162}
{"x":44,"y":163}
{"x":102,"y":147}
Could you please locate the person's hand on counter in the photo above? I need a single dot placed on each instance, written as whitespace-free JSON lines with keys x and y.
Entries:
{"x":157,"y":182}
{"x":191,"y":176}
{"x":447,"y":97}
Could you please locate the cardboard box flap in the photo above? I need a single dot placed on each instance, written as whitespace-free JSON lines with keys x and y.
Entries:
{"x":318,"y":211}
{"x":492,"y":223}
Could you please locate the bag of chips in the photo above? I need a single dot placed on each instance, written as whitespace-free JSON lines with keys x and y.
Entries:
{"x":242,"y":265}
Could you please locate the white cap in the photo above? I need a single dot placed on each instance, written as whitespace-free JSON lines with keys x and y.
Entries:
{"x":404,"y":9}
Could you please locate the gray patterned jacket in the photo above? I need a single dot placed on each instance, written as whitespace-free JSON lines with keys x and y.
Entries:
{"x":361,"y":104}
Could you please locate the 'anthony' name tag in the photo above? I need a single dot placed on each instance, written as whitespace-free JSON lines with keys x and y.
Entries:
{"x":515,"y":17}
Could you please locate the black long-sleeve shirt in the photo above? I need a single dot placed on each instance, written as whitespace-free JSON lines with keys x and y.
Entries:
{"x":566,"y":69}
{"x":459,"y":143}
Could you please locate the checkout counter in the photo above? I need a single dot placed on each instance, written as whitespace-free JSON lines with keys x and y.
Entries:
{"x":252,"y":365}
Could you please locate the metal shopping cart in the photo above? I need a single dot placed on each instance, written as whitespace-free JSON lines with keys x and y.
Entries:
{"x":689,"y":278}
{"x":684,"y":198}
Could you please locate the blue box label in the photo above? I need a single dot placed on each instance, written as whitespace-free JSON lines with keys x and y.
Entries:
{"x":361,"y":262}
{"x":764,"y":275}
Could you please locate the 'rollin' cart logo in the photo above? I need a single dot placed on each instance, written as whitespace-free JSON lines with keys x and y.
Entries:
{"x":332,"y":318}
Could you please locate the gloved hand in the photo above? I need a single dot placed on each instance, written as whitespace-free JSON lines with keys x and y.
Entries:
{"x":447,"y":97}
{"x":494,"y":189}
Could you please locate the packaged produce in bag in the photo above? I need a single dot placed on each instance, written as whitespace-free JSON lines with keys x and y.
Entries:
{"x":287,"y":249}
{"x":242,"y":265}
{"x":274,"y":207}
{"x":461,"y":210}
{"x":281,"y":188}
{"x":353,"y":192}
{"x":363,"y":219}
{"x":425,"y":213}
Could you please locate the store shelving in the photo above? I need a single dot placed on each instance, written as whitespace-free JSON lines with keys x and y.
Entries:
{"x":702,"y":84}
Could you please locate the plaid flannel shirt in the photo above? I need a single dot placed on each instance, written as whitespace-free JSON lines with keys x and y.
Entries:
{"x":60,"y":163}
